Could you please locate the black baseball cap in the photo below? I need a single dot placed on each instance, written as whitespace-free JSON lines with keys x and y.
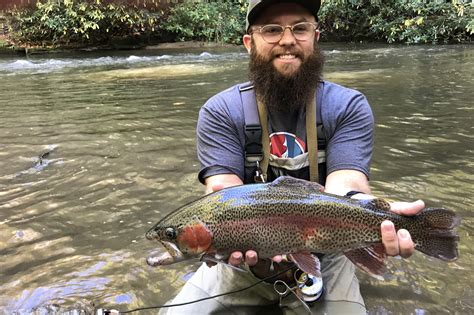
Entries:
{"x":257,"y":6}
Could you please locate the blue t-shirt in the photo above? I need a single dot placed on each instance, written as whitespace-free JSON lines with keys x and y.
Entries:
{"x":344,"y":120}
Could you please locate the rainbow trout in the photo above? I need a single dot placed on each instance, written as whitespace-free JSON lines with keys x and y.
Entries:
{"x":294,"y":217}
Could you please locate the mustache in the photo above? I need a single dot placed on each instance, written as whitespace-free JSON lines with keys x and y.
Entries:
{"x":281,"y":93}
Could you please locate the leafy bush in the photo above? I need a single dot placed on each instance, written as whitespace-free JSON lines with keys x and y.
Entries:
{"x":408,"y":21}
{"x":214,"y":20}
{"x":92,"y":22}
{"x":65,"y":22}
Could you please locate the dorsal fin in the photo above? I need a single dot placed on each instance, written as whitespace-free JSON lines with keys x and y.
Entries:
{"x":297,"y":184}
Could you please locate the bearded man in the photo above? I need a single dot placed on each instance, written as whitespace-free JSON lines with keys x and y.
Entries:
{"x":285,"y":81}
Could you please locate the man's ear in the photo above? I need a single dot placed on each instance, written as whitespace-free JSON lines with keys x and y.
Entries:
{"x":317,"y":35}
{"x":247,"y":40}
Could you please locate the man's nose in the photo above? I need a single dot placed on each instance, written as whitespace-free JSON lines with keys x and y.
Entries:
{"x":287,"y":38}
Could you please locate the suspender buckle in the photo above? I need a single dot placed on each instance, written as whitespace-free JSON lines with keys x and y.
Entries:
{"x":259,"y":177}
{"x":253,"y":143}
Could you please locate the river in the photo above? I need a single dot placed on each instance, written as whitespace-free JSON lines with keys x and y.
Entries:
{"x":120,"y":131}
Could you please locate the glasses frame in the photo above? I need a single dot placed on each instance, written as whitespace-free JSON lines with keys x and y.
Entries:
{"x":258,"y":29}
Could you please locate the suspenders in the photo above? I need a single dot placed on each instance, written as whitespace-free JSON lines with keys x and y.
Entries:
{"x":253,"y":133}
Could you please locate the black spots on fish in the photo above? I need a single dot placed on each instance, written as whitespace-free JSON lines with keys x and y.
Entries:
{"x":440,"y":218}
{"x":433,"y":233}
{"x":342,"y":226}
{"x":289,"y":183}
{"x":152,"y":233}
{"x":440,"y":244}
{"x":375,"y":204}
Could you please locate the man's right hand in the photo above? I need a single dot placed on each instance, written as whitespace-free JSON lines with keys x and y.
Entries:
{"x":250,"y":258}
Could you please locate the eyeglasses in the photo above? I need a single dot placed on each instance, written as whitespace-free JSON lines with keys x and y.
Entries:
{"x":273,"y":33}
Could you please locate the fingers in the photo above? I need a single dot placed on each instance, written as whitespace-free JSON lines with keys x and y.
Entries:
{"x":405,"y":243}
{"x":400,"y":243}
{"x":236,"y":258}
{"x":389,"y":238}
{"x":277,"y":259}
{"x":396,"y":243}
{"x":251,"y":257}
{"x":407,"y":208}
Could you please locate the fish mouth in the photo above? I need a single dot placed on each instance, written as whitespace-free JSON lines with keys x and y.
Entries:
{"x":151,"y":234}
{"x":170,"y":256}
{"x":172,"y":249}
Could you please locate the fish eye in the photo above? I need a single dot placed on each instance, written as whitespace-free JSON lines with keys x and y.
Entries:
{"x":170,"y":233}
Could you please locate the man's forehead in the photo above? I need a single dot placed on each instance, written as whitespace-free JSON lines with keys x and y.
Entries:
{"x":277,"y":13}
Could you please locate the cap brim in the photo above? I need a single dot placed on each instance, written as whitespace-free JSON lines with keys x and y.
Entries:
{"x":311,"y":6}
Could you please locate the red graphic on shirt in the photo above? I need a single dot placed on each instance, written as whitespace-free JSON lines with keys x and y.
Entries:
{"x":286,"y":145}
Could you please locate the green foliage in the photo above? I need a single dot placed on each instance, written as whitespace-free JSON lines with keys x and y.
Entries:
{"x":93,"y":22}
{"x":213,"y":20}
{"x":407,"y":21}
{"x":64,"y":22}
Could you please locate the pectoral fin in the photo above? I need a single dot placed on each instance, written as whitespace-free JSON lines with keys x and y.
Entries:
{"x":370,"y":259}
{"x":307,"y":262}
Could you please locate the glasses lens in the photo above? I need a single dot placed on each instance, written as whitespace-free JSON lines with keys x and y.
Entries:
{"x":303,"y":31}
{"x":271,"y":33}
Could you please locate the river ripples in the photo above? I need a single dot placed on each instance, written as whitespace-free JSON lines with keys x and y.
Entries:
{"x":96,"y":147}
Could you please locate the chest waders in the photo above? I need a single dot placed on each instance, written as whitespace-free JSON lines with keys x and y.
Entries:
{"x":306,"y":287}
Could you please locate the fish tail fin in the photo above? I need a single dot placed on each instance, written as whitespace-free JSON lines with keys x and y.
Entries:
{"x":436,"y":237}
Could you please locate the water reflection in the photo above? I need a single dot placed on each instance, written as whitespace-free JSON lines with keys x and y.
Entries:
{"x":122,"y":127}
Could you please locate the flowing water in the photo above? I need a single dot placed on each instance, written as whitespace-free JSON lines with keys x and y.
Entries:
{"x":94,"y":149}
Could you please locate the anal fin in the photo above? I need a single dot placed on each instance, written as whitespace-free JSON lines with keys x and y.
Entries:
{"x":307,"y":262}
{"x":371,"y":259}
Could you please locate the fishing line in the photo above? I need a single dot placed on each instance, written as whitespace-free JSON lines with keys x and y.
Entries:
{"x":203,"y":299}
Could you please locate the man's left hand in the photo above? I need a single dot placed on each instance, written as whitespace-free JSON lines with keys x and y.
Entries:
{"x":400,"y":243}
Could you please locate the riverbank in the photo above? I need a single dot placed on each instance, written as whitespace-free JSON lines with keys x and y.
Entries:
{"x":6,"y":48}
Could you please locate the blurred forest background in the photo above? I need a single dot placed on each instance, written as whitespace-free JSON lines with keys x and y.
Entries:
{"x":85,"y":23}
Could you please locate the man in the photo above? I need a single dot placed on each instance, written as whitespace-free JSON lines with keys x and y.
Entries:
{"x":285,"y":70}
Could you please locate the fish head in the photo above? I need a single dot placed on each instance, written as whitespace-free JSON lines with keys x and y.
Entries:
{"x":192,"y":238}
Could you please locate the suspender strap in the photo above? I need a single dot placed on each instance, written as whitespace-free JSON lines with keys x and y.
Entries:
{"x":312,"y":139}
{"x":253,"y":130}
{"x":262,"y":113}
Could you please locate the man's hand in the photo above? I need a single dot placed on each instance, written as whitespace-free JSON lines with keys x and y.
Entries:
{"x":400,"y":243}
{"x":397,"y":243}
{"x":250,"y":258}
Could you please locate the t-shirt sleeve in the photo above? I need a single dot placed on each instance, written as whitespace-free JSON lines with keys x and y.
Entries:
{"x":219,"y":147}
{"x":351,"y":145}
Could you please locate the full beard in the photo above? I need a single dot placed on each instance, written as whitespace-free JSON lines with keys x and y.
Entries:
{"x":285,"y":93}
